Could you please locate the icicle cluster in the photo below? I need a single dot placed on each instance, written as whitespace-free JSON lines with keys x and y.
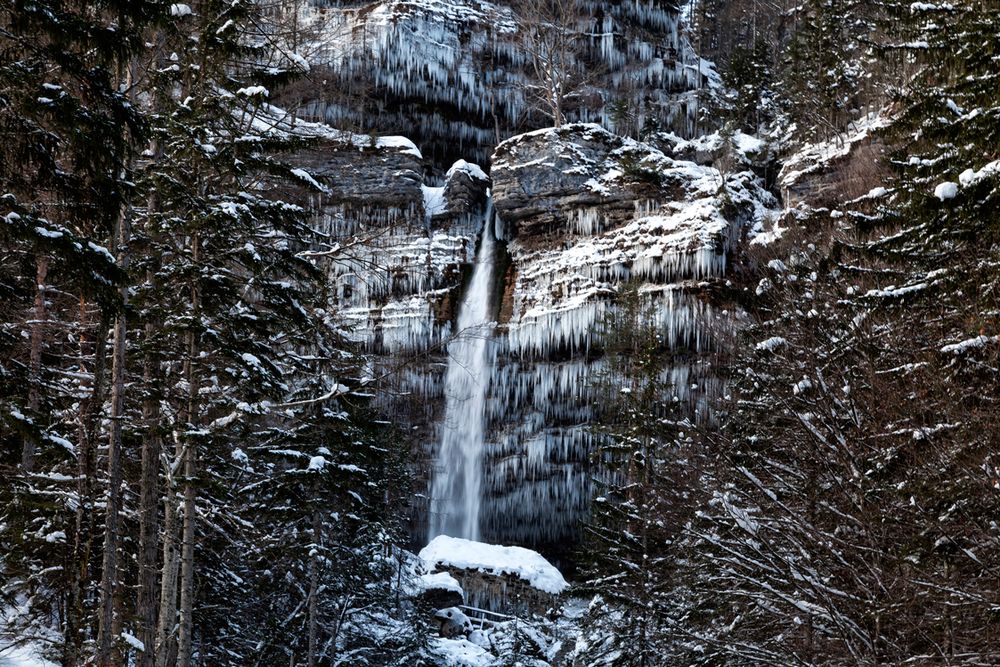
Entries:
{"x":566,"y":282}
{"x":457,"y":71}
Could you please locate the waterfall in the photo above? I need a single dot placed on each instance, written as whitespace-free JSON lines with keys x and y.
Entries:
{"x":456,"y":491}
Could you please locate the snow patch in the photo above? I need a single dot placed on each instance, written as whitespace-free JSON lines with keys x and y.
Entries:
{"x":771,"y":344}
{"x":967,"y":345}
{"x":439,"y":581}
{"x":945,"y":191}
{"x":305,"y":176}
{"x":461,"y":653}
{"x":473,"y":170}
{"x":254,"y":91}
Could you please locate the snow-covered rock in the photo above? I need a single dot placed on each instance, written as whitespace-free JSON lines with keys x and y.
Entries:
{"x":947,"y":190}
{"x":528,"y":565}
{"x":587,"y":211}
{"x":440,"y":590}
{"x":439,"y":581}
{"x":452,"y":622}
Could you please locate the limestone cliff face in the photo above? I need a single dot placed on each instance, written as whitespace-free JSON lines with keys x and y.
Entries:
{"x":398,"y":245}
{"x":457,"y":75}
{"x":544,"y":180}
{"x":587,"y":213}
{"x":583,"y":214}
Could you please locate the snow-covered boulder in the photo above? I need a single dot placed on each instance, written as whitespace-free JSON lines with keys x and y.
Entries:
{"x":528,"y":565}
{"x":440,"y":590}
{"x":494,"y":577}
{"x":452,"y":622}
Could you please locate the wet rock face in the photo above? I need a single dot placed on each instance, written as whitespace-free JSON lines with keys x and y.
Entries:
{"x":587,"y":213}
{"x":376,"y":176}
{"x":404,"y":242}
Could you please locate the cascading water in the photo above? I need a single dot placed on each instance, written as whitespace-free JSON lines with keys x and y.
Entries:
{"x":456,"y":491}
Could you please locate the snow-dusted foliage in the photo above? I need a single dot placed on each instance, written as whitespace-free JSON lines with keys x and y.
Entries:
{"x":814,"y":157}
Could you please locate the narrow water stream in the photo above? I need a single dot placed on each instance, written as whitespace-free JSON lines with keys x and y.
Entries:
{"x":456,"y":491}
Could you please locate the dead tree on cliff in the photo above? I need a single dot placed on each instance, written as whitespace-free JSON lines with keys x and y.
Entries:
{"x":552,"y":42}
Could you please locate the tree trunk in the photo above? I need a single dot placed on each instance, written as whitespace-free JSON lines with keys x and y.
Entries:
{"x":148,"y":517}
{"x":106,"y":638}
{"x":168,"y":583}
{"x":29,"y":447}
{"x":314,"y":585}
{"x":152,"y":445}
{"x":83,"y":535}
{"x":186,"y":628}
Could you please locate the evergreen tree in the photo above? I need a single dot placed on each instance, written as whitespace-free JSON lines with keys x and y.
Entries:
{"x":166,"y":321}
{"x":648,"y":458}
{"x":824,"y":65}
{"x":852,"y":514}
{"x":748,"y":78}
{"x":69,"y":132}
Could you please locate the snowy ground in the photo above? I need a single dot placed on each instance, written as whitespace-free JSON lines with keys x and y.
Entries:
{"x":22,"y":656}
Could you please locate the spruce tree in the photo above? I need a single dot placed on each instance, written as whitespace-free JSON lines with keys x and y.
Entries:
{"x":647,"y":463}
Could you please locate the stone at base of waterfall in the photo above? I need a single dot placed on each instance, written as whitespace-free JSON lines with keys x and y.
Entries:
{"x":440,"y":590}
{"x":505,"y":579}
{"x":496,"y":647}
{"x":452,"y":622}
{"x":480,"y":638}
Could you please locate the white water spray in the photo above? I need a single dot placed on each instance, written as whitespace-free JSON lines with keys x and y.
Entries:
{"x":456,"y":492}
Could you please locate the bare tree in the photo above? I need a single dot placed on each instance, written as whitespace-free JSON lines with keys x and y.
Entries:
{"x":552,"y":41}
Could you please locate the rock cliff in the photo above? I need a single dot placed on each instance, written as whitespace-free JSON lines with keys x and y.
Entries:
{"x":458,"y":76}
{"x":587,"y":213}
{"x":583,"y":214}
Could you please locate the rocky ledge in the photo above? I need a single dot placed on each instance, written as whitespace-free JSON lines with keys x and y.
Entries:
{"x":586,"y":211}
